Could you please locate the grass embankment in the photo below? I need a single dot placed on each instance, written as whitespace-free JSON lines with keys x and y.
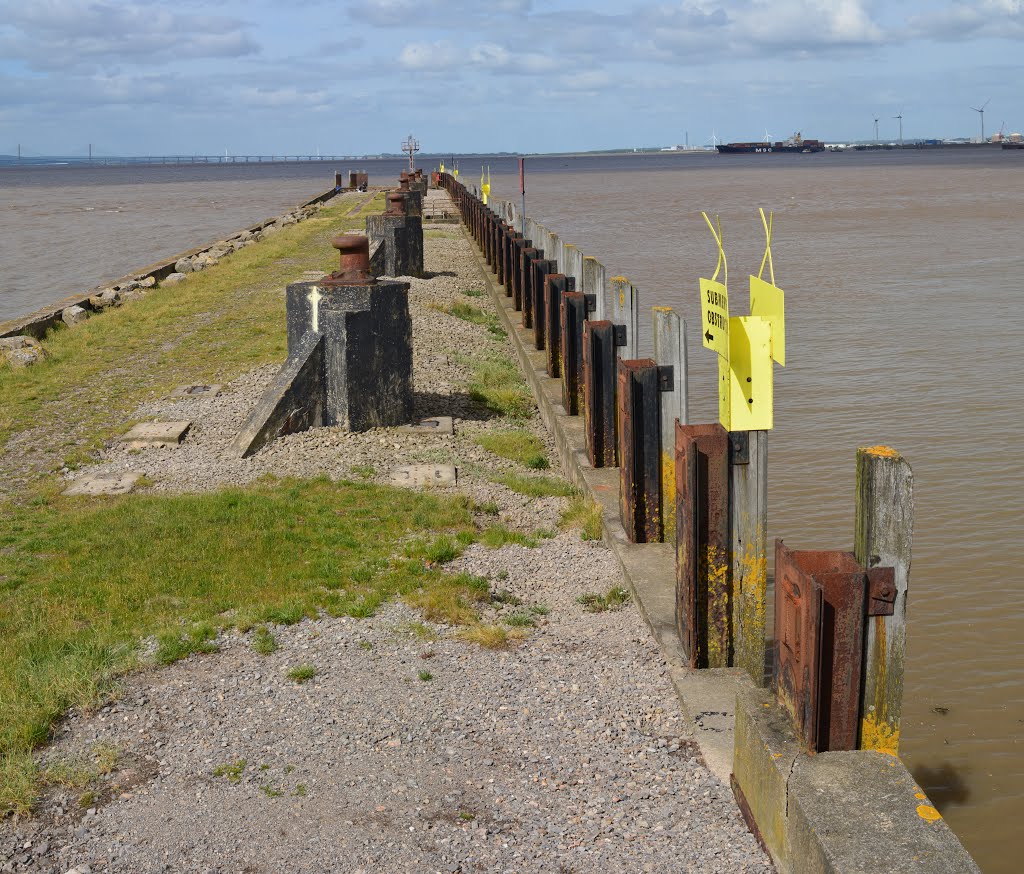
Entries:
{"x":213,"y":327}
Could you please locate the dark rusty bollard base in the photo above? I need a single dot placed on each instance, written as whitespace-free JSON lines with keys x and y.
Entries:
{"x":599,"y":393}
{"x":639,"y":421}
{"x":574,"y":314}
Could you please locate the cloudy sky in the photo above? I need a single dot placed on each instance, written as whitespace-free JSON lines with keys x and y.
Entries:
{"x":186,"y":77}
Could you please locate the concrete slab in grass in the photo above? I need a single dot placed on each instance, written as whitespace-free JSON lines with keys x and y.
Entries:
{"x":196,"y":391}
{"x":103,"y":484}
{"x":146,"y":435}
{"x":441,"y":426}
{"x":861,"y":811}
{"x":440,"y":475}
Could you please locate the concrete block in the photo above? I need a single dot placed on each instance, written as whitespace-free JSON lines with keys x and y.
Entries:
{"x":146,"y":435}
{"x":103,"y":484}
{"x":766,"y":750}
{"x":861,"y":812}
{"x":440,"y":426}
{"x":439,"y":475}
{"x":293,"y":403}
{"x":367,"y":333}
{"x":402,"y":239}
{"x":196,"y":391}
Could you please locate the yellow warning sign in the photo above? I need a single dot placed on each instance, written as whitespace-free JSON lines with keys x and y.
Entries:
{"x":714,"y":300}
{"x":768,"y":302}
{"x":714,"y":316}
{"x":746,"y":389}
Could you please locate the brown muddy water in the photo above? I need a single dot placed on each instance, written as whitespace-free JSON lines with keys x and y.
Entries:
{"x":904,"y":309}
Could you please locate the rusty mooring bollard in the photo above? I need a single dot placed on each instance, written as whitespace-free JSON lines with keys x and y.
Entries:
{"x":355,"y":262}
{"x":398,"y":203}
{"x":599,"y":382}
{"x":639,"y":425}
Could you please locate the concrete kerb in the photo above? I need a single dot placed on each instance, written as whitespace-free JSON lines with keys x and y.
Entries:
{"x":834,"y":813}
{"x":38,"y":322}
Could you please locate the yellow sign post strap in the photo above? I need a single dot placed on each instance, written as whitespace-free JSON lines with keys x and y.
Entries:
{"x":768,"y":245}
{"x":767,"y":300}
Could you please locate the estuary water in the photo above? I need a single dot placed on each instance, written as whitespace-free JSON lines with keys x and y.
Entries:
{"x":904,"y":309}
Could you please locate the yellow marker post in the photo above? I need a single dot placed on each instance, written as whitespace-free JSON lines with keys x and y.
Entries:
{"x":747,"y":389}
{"x":442,"y":166}
{"x":485,"y":187}
{"x":714,"y":301}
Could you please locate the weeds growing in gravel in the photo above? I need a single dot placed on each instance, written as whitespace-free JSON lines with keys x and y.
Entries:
{"x":519,"y":619}
{"x":504,"y":596}
{"x":79,"y":772}
{"x":519,"y":446}
{"x":451,"y":599}
{"x":492,"y":636}
{"x":536,"y":486}
{"x":613,"y":599}
{"x":499,"y":386}
{"x":419,"y":630}
{"x":302,"y":673}
{"x":270,"y":790}
{"x":232,"y":771}
{"x":425,"y":676}
{"x":584,"y":514}
{"x":263,"y":641}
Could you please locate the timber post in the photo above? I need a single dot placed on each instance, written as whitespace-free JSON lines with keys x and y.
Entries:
{"x":883,"y":537}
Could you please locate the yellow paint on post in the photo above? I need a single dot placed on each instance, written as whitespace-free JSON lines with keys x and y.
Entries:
{"x":668,"y":497}
{"x":881,"y":451}
{"x":751,"y":388}
{"x":928,"y":813}
{"x":879,"y":736}
{"x":769,"y":303}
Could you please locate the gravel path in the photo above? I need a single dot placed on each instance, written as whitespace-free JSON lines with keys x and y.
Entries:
{"x":409,"y":750}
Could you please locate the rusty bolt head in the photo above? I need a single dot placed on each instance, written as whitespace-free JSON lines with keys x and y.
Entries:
{"x":398,"y":203}
{"x":355,"y":261}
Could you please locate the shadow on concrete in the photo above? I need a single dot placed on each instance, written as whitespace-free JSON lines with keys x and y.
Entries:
{"x":431,"y":274}
{"x":945,"y":784}
{"x":458,"y":405}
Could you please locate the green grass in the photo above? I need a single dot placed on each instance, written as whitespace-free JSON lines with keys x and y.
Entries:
{"x":425,"y":676}
{"x":302,"y":673}
{"x":584,"y":514}
{"x":536,"y":486}
{"x":84,"y":581}
{"x":499,"y":386}
{"x":613,"y":599}
{"x":519,"y":619}
{"x":519,"y":446}
{"x":216,"y":325}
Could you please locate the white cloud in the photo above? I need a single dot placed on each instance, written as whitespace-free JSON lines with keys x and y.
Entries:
{"x":963,"y":21}
{"x":420,"y":56}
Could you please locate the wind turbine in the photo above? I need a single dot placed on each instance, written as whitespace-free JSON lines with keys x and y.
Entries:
{"x":900,"y":117}
{"x":876,"y":128}
{"x":981,"y":112}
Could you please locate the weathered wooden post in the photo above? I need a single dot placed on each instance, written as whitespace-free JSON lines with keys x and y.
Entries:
{"x":593,"y":284}
{"x":883,"y":538}
{"x":639,"y":425}
{"x":748,"y":496}
{"x":670,"y":354}
{"x":625,"y":311}
{"x":572,"y":264}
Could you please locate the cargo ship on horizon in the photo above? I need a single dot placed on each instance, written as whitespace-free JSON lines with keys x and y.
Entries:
{"x":795,"y":143}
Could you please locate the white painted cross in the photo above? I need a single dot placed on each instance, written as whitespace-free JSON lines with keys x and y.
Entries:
{"x":314,"y":299}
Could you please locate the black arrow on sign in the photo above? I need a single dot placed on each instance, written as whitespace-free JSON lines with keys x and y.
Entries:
{"x":709,"y":336}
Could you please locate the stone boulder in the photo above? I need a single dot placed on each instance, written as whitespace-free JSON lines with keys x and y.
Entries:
{"x":74,"y":315}
{"x":173,"y":279}
{"x":20,"y":351}
{"x":183,"y":265}
{"x":147,"y":281}
{"x":109,"y":297}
